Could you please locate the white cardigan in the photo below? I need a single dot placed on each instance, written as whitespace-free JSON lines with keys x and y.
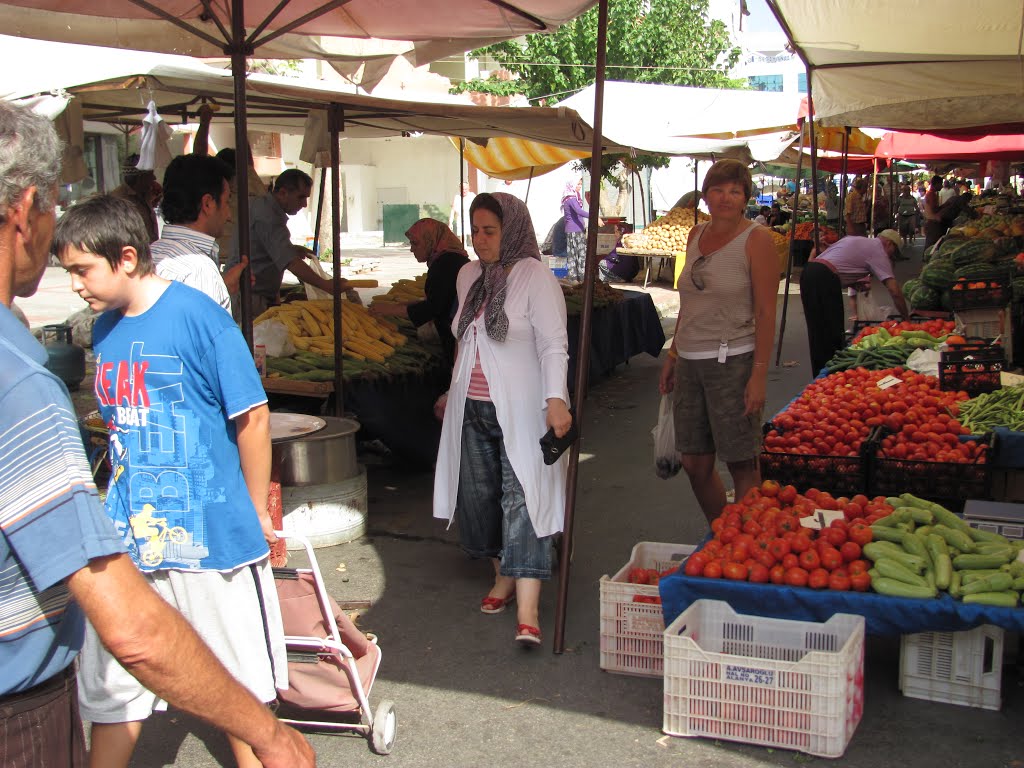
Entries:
{"x":522,"y":373}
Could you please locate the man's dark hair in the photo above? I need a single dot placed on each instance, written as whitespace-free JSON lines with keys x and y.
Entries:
{"x":103,"y":225}
{"x":187,"y":180}
{"x":227,"y":156}
{"x":488,"y":202}
{"x":293,"y":178}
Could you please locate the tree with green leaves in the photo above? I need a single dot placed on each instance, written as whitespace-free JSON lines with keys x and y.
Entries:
{"x":649,"y":41}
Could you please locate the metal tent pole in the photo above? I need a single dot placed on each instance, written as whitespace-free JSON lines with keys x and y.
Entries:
{"x":844,"y":180}
{"x":586,"y":318}
{"x":319,"y":212}
{"x":238,"y":49}
{"x":792,"y":236}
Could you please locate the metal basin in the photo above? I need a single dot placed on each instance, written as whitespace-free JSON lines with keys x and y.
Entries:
{"x":326,"y":456}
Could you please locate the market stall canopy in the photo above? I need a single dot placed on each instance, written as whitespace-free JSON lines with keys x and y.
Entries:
{"x":360,"y":38}
{"x":962,"y":147}
{"x":117,"y":88}
{"x":513,"y":159}
{"x":664,"y":119}
{"x":917,"y":64}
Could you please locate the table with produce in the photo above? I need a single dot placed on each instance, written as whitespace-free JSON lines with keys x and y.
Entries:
{"x":906,"y":564}
{"x":664,"y":238}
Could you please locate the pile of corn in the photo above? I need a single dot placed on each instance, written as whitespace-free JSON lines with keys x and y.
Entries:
{"x":404,"y":291}
{"x":310,"y":325}
{"x":668,"y":233}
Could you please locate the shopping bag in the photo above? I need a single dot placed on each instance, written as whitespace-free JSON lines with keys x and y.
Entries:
{"x":666,"y":458}
{"x":868,"y":309}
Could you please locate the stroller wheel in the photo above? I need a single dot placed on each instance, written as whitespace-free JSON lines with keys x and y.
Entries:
{"x":385,"y":728}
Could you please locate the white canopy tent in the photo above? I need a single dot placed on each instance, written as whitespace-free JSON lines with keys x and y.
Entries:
{"x":913,"y":64}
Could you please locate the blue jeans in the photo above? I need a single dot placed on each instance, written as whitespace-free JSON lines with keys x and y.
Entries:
{"x":491,"y":504}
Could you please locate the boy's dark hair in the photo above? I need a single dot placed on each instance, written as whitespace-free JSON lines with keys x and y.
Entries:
{"x":293,"y":178}
{"x":103,"y":225}
{"x":488,"y":202}
{"x":187,"y":180}
{"x":227,"y":156}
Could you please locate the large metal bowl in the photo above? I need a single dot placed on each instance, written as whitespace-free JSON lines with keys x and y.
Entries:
{"x":326,"y":456}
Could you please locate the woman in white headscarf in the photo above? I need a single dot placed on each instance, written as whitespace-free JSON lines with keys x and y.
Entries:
{"x":507,"y":390}
{"x":575,"y":216}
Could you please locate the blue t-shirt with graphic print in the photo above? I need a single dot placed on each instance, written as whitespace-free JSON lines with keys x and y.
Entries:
{"x":169,"y":382}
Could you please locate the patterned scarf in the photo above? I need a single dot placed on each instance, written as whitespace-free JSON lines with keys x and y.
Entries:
{"x":518,"y":241}
{"x":437,"y":237}
{"x":571,"y":191}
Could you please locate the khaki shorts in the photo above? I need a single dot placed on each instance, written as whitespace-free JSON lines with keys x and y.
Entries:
{"x":224,"y":609}
{"x":708,"y":406}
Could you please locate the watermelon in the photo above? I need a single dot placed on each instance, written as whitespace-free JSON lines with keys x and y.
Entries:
{"x":911,"y":285}
{"x":946,"y":300}
{"x":937,"y":275}
{"x":925,"y":298}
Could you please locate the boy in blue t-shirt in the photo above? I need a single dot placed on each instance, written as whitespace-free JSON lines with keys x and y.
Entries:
{"x":190,"y":458}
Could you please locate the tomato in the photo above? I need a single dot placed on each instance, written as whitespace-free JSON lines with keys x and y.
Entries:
{"x":800,"y":542}
{"x":787,"y":494}
{"x":790,"y":561}
{"x":831,"y":559}
{"x":728,"y":534}
{"x":637,"y":576}
{"x":759,"y":574}
{"x":817,"y":579}
{"x":860,"y":582}
{"x":850,"y":550}
{"x":735,"y":571}
{"x":740,"y":552}
{"x":694,"y":566}
{"x":777,"y":574}
{"x":834,"y":536}
{"x":770,"y":488}
{"x":752,"y":527}
{"x":858,"y":566}
{"x":713,"y":570}
{"x":860,"y":534}
{"x":809,"y":560}
{"x":840,"y":581}
{"x":796,"y":577}
{"x":779,"y":548}
{"x":764,"y":558}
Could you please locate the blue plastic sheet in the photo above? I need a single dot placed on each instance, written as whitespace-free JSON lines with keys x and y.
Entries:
{"x":882,"y":615}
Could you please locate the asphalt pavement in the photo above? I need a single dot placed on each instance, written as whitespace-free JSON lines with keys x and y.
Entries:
{"x":466,"y":695}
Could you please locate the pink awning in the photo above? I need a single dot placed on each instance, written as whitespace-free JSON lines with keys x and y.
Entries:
{"x":966,"y":147}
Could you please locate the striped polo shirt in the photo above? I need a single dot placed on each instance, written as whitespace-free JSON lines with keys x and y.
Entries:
{"x":51,"y":521}
{"x":190,"y":257}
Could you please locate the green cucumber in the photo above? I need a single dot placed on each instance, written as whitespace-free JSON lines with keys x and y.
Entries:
{"x":891,"y":569}
{"x":876,"y":550}
{"x":977,"y":562}
{"x":894,"y":588}
{"x":901,"y":515}
{"x":1002,"y":599}
{"x":883,"y":533}
{"x":996,"y":582}
{"x":941,"y":560}
{"x":955,"y":585}
{"x":915,"y":545}
{"x":979,"y":535}
{"x":942,"y":515}
{"x":954,"y":538}
{"x":972,"y":576}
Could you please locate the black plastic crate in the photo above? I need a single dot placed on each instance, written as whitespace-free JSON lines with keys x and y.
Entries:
{"x":996,"y":293}
{"x":839,"y":475}
{"x":940,"y":480}
{"x":974,"y":368}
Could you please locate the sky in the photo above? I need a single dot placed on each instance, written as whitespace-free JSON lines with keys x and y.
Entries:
{"x":760,"y":18}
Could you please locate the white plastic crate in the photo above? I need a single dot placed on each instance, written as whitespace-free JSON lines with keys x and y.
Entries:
{"x":631,"y":632}
{"x":962,"y":668}
{"x":774,"y":682}
{"x":985,"y":324}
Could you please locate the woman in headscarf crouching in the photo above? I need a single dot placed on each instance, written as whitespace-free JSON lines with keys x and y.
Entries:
{"x":507,"y":390}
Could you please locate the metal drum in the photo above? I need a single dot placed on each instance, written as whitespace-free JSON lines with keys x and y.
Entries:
{"x":328,"y":514}
{"x":311,"y":450}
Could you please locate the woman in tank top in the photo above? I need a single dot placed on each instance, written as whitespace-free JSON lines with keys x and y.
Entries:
{"x":717,"y":363}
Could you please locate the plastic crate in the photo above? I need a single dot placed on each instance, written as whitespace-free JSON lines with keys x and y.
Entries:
{"x":983,"y":323}
{"x":931,"y":479}
{"x":774,"y":682}
{"x":962,"y":668}
{"x":840,"y":475}
{"x":996,"y":294}
{"x":631,"y":632}
{"x":974,"y":369}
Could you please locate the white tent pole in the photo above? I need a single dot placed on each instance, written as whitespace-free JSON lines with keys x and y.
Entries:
{"x":335,"y":122}
{"x":583,"y":347}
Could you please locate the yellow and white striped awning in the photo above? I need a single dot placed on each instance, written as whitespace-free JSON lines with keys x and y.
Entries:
{"x":511,"y":159}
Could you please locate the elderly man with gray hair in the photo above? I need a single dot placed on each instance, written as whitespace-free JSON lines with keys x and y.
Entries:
{"x":61,"y":558}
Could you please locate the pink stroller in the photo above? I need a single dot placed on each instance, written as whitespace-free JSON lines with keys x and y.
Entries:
{"x":331,"y":664}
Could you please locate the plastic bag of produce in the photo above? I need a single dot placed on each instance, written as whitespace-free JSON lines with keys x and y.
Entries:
{"x":273,"y":335}
{"x":868,"y":309}
{"x":666,"y":458}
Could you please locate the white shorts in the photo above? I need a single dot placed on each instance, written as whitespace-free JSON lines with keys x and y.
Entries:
{"x":224,"y":610}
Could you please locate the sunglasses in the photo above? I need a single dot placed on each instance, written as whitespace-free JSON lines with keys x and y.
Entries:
{"x":695,"y":278}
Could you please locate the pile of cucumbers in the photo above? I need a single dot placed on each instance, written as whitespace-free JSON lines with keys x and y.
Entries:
{"x":922,"y":548}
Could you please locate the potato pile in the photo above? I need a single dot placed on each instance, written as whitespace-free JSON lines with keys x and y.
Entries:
{"x":668,"y":233}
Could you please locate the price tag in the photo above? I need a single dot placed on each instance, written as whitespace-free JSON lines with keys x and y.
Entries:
{"x":889,"y":381}
{"x":822,"y":518}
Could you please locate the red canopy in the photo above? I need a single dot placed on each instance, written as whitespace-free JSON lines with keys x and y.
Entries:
{"x":966,"y":147}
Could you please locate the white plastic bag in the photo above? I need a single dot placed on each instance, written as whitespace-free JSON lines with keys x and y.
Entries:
{"x":273,"y":335}
{"x":666,"y":458}
{"x":868,"y":309}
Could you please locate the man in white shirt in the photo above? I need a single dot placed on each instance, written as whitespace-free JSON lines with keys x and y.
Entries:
{"x":948,"y":191}
{"x":196,"y":208}
{"x":460,"y":212}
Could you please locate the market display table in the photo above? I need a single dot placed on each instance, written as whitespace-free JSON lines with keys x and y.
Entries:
{"x":648,"y":256}
{"x":619,"y":331}
{"x":882,"y":615}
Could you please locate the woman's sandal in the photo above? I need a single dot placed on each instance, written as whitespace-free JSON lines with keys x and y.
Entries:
{"x":527,"y":636}
{"x":496,"y":604}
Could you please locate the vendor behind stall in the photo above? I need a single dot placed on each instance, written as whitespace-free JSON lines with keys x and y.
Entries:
{"x":846,"y":263}
{"x":433,"y":244}
{"x":617,"y":267}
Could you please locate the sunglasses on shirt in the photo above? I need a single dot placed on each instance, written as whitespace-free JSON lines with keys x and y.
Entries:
{"x":695,"y":277}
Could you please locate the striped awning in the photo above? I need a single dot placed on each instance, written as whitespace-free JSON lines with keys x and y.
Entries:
{"x":511,"y":159}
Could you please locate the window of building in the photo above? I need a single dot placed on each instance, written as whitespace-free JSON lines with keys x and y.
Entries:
{"x":766,"y":83}
{"x":801,"y":82}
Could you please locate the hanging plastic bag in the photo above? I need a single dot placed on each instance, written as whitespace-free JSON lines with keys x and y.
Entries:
{"x":868,"y":309}
{"x":273,"y":335}
{"x":666,"y":458}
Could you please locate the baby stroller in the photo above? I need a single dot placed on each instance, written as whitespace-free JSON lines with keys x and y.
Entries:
{"x":331,"y":664}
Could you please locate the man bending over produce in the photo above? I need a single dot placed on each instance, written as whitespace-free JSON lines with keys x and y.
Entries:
{"x":840,"y":266}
